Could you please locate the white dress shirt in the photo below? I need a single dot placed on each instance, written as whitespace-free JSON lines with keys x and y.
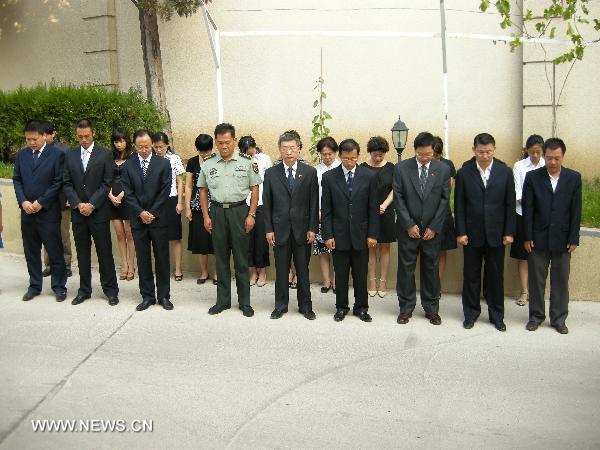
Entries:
{"x":321,"y":169}
{"x":263,"y":161}
{"x":40,"y":150}
{"x":346,"y":171}
{"x":86,"y":154}
{"x":176,"y":169}
{"x":520,"y":169}
{"x":485,"y":174}
{"x":554,"y":181}
{"x":147,"y":160}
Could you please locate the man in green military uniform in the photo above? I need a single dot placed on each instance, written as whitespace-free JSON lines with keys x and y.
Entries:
{"x":230,"y":176}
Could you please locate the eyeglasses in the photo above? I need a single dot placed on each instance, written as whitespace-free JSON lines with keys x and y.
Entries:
{"x":290,"y":147}
{"x":424,"y":155}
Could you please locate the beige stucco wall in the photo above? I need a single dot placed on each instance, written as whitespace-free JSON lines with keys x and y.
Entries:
{"x":584,"y":283}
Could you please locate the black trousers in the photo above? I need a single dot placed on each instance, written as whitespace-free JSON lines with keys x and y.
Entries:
{"x":147,"y":240}
{"x":83,"y":232}
{"x":538,"y":263}
{"x":34,"y":235}
{"x":408,"y":251}
{"x":283,"y":257}
{"x":258,"y":248}
{"x":493,"y":282}
{"x":343,"y":262}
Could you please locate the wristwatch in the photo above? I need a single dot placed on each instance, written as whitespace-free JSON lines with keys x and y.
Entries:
{"x":252,"y":214}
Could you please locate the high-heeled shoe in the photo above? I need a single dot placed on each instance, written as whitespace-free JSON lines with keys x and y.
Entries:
{"x":123,"y":275}
{"x":382,"y":292}
{"x":131,"y":275}
{"x":373,"y":293}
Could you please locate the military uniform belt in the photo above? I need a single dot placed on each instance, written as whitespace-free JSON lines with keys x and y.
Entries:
{"x":228,"y":205}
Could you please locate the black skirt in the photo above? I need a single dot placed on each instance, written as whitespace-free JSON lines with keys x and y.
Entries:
{"x":448,"y":233}
{"x":517,"y":249}
{"x":199,"y":241}
{"x":173,"y":220}
{"x":387,"y":226}
{"x":120,"y":212}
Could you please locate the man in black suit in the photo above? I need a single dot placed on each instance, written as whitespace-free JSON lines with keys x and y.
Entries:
{"x":65,"y":221}
{"x":37,"y":179}
{"x":421,"y":195}
{"x":552,"y":216}
{"x":350,"y":221}
{"x":484,"y":209}
{"x":146,"y":182}
{"x":291,"y":204}
{"x":87,"y":180}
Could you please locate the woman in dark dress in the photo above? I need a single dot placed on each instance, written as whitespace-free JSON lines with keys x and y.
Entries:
{"x":199,"y":241}
{"x":377,"y":148}
{"x":121,"y":147}
{"x":448,"y":238}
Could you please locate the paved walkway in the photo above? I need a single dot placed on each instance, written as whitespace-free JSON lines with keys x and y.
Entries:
{"x":232,"y":382}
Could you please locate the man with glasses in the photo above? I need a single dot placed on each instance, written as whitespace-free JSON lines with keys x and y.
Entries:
{"x":291,"y":206}
{"x":484,"y":209}
{"x":421,"y":195}
{"x":350,"y":221}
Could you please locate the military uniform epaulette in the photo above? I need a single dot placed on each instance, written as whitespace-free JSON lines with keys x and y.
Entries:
{"x":212,"y":155}
{"x":244,"y":155}
{"x":279,"y":161}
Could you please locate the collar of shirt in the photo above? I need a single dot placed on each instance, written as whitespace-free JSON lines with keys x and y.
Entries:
{"x":294,"y":168}
{"x":485,"y":173}
{"x":89,"y":149}
{"x":234,"y":156}
{"x":147,"y":159}
{"x":553,"y":180}
{"x":346,"y":171}
{"x":40,"y":150}
{"x":421,"y":165}
{"x":529,"y":164}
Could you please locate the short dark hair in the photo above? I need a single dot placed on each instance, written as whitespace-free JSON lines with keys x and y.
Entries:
{"x":203,"y":143}
{"x":224,"y":128}
{"x":50,"y":128}
{"x":424,"y":139}
{"x":347,"y":145}
{"x":378,"y":144}
{"x":245,"y":143}
{"x":484,"y":139}
{"x":328,"y":142}
{"x":296,"y":136}
{"x":289,"y":136}
{"x":534,"y":139}
{"x":120,"y":134}
{"x":141,"y":133}
{"x":438,"y":145}
{"x":34,"y":125}
{"x":84,"y":123}
{"x":553,"y":144}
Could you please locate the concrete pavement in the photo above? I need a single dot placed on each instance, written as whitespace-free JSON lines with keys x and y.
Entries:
{"x":233,"y":382}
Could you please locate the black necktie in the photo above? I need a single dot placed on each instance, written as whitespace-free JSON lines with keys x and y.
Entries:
{"x":144,"y":167}
{"x":290,"y":179}
{"x":423,"y":178}
{"x":36,"y":157}
{"x":349,"y":181}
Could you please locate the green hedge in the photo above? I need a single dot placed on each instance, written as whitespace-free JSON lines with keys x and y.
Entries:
{"x":65,"y":105}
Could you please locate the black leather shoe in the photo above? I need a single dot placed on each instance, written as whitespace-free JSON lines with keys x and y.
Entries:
{"x":69,"y":272}
{"x":247,"y":311}
{"x":60,"y":296}
{"x":165,"y":303}
{"x":277,"y":313}
{"x":532,"y":326}
{"x":80,"y":299}
{"x":310,"y":315}
{"x":403,"y":318}
{"x":46,"y":272}
{"x":364,"y":316}
{"x":217,"y":309}
{"x":29,"y":295}
{"x":114,"y":300}
{"x":434,"y":319}
{"x":145,"y":304}
{"x":500,"y":326}
{"x":468,"y":324}
{"x":339,"y":315}
{"x":562,"y":329}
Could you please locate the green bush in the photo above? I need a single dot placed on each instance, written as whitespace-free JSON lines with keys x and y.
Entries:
{"x":65,"y":105}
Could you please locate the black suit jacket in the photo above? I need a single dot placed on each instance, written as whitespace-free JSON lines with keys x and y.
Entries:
{"x":147,"y":194}
{"x":291,"y":214}
{"x":91,"y":186}
{"x":42,"y":182}
{"x":552,"y":219}
{"x":488,"y":214}
{"x":428,"y":209}
{"x":349,"y":219}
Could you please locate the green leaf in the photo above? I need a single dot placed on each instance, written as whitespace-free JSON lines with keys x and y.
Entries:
{"x":315,"y":103}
